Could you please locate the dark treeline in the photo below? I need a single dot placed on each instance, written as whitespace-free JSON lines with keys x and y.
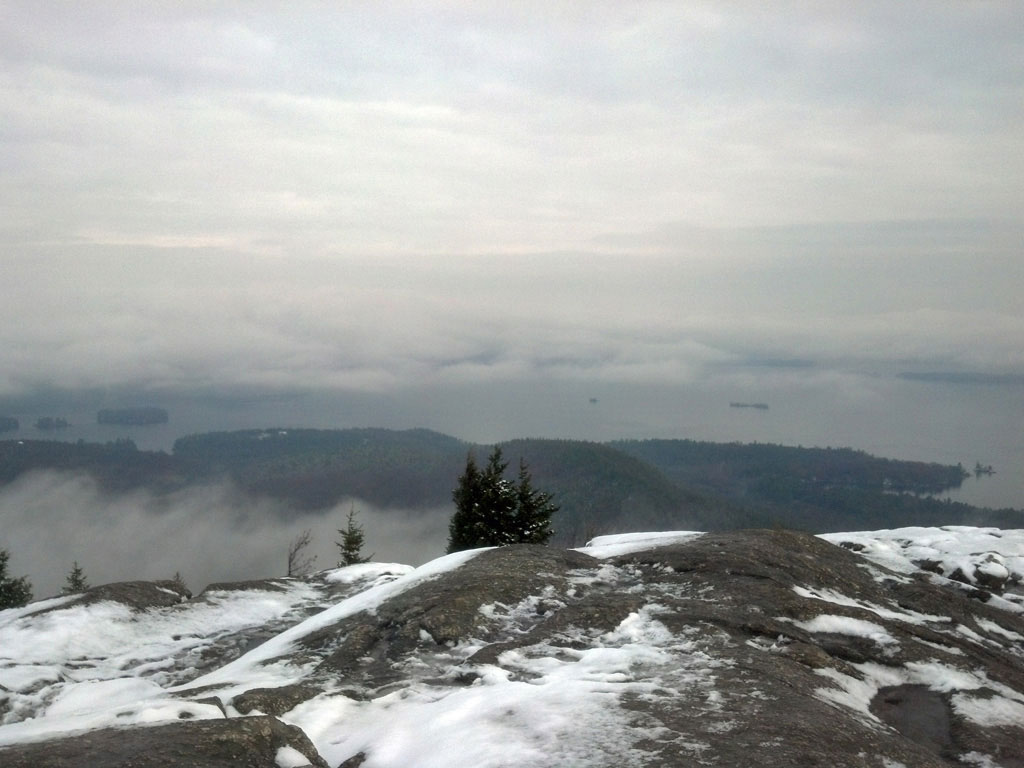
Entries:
{"x":600,"y":488}
{"x":315,"y":469}
{"x":737,"y":466}
{"x":116,"y":466}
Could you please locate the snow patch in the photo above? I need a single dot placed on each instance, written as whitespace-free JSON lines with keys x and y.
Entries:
{"x":979,"y":760}
{"x":545,"y":705}
{"x":1001,"y":703}
{"x":947,"y":550}
{"x":289,"y":757}
{"x":628,"y":543}
{"x":147,"y":711}
{"x":991,"y":711}
{"x":364,"y":572}
{"x":845,"y":625}
{"x":98,"y":695}
{"x":832,"y":596}
{"x":994,"y":629}
{"x":268,"y":663}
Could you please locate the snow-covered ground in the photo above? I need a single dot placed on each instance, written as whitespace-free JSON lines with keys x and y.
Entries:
{"x":83,"y":666}
{"x":68,"y":667}
{"x":952,"y":553}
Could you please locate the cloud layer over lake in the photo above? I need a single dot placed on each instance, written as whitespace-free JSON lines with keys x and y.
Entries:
{"x":360,"y":197}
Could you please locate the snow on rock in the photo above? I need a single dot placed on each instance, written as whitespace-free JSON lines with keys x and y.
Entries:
{"x":983,"y":557}
{"x":270,"y":664}
{"x":618,"y":544}
{"x":289,"y":757}
{"x":370,"y":574}
{"x":66,"y":653}
{"x":647,"y":649}
{"x":542,"y":705}
{"x":845,"y":625}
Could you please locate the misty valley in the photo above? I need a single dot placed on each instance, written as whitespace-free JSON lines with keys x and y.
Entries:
{"x":600,"y":488}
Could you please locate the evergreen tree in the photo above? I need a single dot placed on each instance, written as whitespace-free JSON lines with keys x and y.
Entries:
{"x":492,"y":511}
{"x":351,"y":544}
{"x":533,"y":510}
{"x":75,"y":581}
{"x":462,"y":528}
{"x":14,"y":593}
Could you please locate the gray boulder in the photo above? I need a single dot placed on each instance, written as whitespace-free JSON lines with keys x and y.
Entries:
{"x":249,"y":742}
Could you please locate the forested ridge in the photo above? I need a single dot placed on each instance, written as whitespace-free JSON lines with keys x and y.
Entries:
{"x":599,"y":487}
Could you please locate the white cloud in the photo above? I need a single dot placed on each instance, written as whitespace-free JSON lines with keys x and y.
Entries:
{"x":197,"y":195}
{"x":52,"y":519}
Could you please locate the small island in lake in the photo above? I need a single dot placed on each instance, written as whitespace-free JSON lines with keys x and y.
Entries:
{"x":133,"y":416}
{"x":47,"y":423}
{"x":759,"y":406}
{"x":9,"y":424}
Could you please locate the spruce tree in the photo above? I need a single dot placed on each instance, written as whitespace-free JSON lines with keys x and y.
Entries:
{"x":14,"y":593}
{"x":462,"y":528}
{"x":351,"y":544}
{"x":75,"y":581}
{"x":492,"y":511}
{"x":533,"y":510}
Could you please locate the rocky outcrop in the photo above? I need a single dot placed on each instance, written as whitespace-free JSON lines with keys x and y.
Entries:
{"x":139,"y":594}
{"x":772,"y":648}
{"x":811,"y":628}
{"x":250,"y":742}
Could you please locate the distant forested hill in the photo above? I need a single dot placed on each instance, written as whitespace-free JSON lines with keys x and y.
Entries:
{"x":819,"y":489}
{"x":601,"y":488}
{"x":116,"y":466}
{"x":732,"y":467}
{"x":316,"y":468}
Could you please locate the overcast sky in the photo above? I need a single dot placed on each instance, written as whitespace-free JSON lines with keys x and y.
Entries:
{"x":367,"y":196}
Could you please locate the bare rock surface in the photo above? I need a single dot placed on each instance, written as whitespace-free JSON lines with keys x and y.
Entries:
{"x":139,"y":594}
{"x":768,"y":648}
{"x":251,"y":742}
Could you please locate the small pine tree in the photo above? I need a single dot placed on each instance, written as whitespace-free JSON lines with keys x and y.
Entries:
{"x":464,"y":526}
{"x":75,"y":581}
{"x":533,"y":510}
{"x":14,"y":593}
{"x":351,"y":544}
{"x":492,"y":511}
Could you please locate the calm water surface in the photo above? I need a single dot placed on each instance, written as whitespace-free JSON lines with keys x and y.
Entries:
{"x":883,"y":415}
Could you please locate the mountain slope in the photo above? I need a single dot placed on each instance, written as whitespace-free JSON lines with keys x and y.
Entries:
{"x":756,"y":647}
{"x":619,"y":486}
{"x":601,"y":489}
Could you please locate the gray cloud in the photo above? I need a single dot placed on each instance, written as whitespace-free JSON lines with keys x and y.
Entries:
{"x":184,"y":319}
{"x":212,"y":197}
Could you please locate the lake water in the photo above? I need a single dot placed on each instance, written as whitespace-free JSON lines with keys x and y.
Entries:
{"x":881,"y":414}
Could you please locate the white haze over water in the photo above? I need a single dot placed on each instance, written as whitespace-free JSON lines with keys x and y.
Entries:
{"x":206,"y":533}
{"x":403,"y":198}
